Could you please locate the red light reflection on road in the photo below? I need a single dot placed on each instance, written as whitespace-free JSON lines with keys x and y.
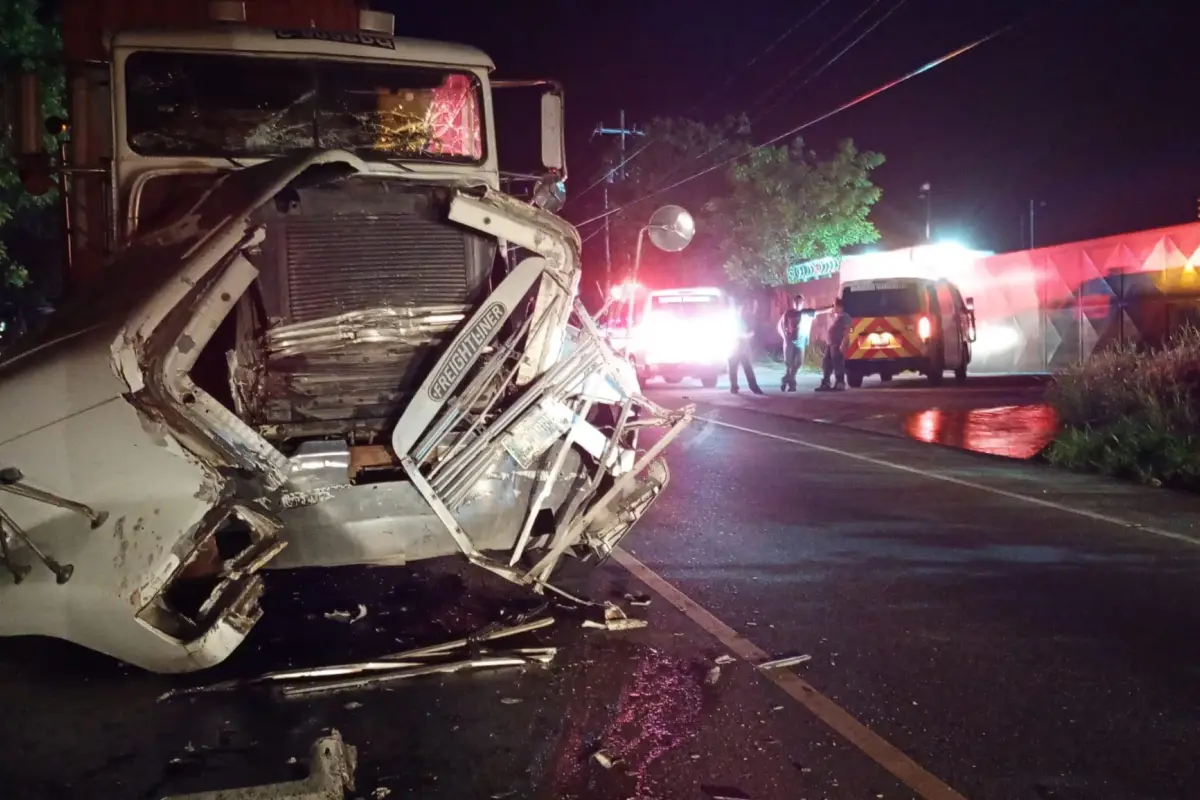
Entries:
{"x":1012,"y":431}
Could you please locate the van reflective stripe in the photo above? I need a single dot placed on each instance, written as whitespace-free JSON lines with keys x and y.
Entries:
{"x":903,"y":331}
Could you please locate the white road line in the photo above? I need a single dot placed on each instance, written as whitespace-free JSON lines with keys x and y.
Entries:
{"x":910,"y":773}
{"x":1025,"y":498}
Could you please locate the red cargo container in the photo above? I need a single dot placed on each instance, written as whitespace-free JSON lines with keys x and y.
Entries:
{"x":85,"y":23}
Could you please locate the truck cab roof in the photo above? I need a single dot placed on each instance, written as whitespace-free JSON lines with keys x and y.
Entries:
{"x":356,"y":45}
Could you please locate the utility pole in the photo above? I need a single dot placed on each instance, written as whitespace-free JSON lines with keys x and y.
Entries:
{"x":927,"y":196}
{"x":618,"y":172}
{"x":1032,"y":204}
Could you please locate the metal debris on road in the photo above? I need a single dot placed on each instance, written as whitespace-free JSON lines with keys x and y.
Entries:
{"x":602,"y":759}
{"x":331,"y":775}
{"x":397,"y":666}
{"x":486,"y":635}
{"x":616,"y":624}
{"x":787,"y":661}
{"x":510,"y":701}
{"x":615,"y":619}
{"x":376,"y":680}
{"x":348,"y":617}
{"x":381,"y":792}
{"x":724,"y":659}
{"x":638,"y":599}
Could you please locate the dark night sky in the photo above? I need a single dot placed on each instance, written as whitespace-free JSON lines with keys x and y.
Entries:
{"x":1088,"y":108}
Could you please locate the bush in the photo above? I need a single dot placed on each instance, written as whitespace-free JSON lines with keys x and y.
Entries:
{"x":1132,"y":413}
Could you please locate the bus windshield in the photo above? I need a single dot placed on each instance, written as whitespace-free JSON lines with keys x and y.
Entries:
{"x":221,"y":105}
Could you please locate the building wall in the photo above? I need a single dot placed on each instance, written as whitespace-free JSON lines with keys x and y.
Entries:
{"x":1045,"y":309}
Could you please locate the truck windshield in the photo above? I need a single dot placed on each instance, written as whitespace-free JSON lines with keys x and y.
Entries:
{"x":882,"y":302}
{"x":220,"y":105}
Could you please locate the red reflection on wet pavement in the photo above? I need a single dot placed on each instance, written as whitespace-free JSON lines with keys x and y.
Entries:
{"x":1012,"y":431}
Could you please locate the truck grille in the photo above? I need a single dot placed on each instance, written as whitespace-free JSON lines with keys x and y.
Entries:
{"x":337,"y":264}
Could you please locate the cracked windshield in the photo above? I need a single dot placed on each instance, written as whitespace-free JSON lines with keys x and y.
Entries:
{"x":218,"y":105}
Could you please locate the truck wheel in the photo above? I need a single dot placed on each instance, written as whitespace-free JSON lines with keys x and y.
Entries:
{"x":708,"y":381}
{"x":855,"y":379}
{"x":885,"y":377}
{"x":937,"y":371}
{"x":672,"y":379}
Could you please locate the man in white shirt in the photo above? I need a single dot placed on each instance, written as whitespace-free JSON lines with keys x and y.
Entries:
{"x":794,"y":327}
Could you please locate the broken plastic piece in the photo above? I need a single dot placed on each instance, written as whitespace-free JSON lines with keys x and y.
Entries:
{"x":602,"y":759}
{"x":347,"y":616}
{"x":331,"y":775}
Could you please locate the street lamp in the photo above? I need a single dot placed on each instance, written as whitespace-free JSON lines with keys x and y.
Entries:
{"x":671,"y":229}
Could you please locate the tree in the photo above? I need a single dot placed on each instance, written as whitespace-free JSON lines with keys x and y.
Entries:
{"x":768,"y":209}
{"x":786,"y":205}
{"x":671,"y":149}
{"x":29,"y":44}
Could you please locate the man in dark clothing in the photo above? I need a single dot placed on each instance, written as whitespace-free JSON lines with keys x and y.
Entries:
{"x":834,"y":362}
{"x":794,"y":327}
{"x":741,"y":353}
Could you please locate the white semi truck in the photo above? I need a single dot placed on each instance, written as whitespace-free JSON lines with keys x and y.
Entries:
{"x":307,"y":329}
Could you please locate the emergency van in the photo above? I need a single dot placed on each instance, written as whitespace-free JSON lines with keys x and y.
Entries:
{"x":903,"y":325}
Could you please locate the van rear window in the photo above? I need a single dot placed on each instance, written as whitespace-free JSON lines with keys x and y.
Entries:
{"x":882,"y":302}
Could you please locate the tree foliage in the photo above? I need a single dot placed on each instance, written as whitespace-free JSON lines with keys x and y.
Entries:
{"x":757,"y":211}
{"x":28,"y":44}
{"x":787,"y":205}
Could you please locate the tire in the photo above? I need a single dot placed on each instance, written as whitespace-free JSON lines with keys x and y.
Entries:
{"x":937,"y":369}
{"x":960,"y":372}
{"x":855,"y":380}
{"x":885,"y":377}
{"x":672,"y":379}
{"x":708,"y":381}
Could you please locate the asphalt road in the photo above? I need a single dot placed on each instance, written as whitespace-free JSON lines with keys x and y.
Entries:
{"x":993,"y":622}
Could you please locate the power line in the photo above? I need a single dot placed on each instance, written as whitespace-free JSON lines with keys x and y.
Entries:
{"x":825,"y":66}
{"x":761,"y":54}
{"x":894,"y":8}
{"x":604,"y":178}
{"x":845,"y":106}
{"x":813,"y":55}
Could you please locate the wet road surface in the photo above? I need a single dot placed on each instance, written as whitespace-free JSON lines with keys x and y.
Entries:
{"x":1009,"y":647}
{"x":1002,"y":415}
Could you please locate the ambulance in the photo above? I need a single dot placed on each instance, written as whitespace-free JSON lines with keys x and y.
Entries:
{"x":901,"y":325}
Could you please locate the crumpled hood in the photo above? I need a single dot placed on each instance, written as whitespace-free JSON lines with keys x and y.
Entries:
{"x":170,"y":259}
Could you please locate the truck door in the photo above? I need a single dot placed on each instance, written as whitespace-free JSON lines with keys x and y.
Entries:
{"x":951,"y":325}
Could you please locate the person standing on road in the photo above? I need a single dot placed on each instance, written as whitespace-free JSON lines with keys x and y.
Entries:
{"x":741,"y":352}
{"x":794,"y":327}
{"x":834,"y":362}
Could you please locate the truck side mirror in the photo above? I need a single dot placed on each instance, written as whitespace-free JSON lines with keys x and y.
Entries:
{"x":553,"y":146}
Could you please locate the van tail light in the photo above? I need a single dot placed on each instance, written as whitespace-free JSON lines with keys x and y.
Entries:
{"x":924,"y":328}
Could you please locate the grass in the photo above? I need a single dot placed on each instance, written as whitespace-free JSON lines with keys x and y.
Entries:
{"x":1133,"y":413}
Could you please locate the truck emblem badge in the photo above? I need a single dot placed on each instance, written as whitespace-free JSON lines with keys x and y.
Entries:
{"x":464,"y":351}
{"x":340,"y":37}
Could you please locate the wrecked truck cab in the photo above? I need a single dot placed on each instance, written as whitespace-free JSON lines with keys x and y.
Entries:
{"x":281,"y":376}
{"x":100,"y":412}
